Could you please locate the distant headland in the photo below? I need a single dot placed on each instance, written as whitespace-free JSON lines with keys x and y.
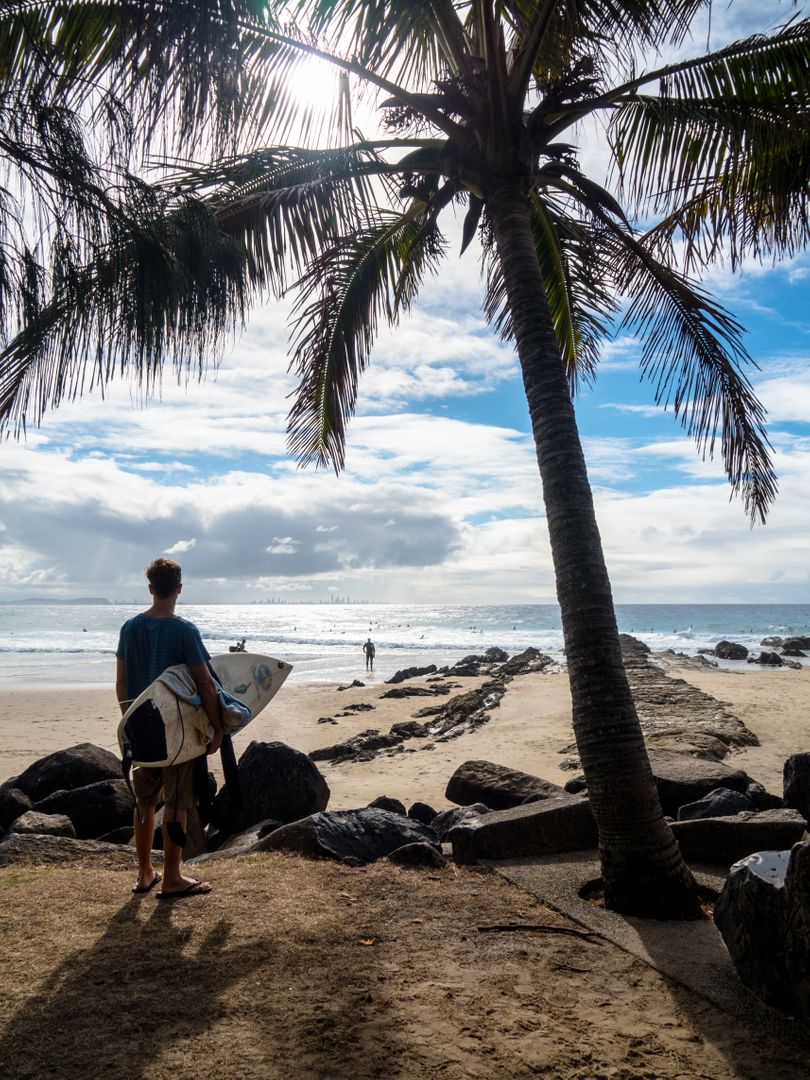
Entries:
{"x":87,"y":600}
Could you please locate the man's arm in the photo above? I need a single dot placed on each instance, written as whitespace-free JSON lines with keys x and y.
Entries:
{"x":210,"y":701}
{"x":121,"y":685}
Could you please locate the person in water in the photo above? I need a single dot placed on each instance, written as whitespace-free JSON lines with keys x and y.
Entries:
{"x":369,"y":650}
{"x":147,"y":645}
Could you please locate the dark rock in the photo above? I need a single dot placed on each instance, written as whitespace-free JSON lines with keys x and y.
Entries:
{"x":36,"y":849}
{"x":355,"y":682}
{"x":727,"y":839}
{"x":772,"y":642}
{"x":631,"y":646}
{"x":413,"y":691}
{"x":763,"y":914}
{"x":762,"y":799}
{"x":123,"y":835}
{"x":331,"y":753}
{"x":327,"y":720}
{"x":353,"y":836}
{"x":577,"y":785}
{"x":276,"y":782}
{"x":683,"y":779}
{"x":495,"y":785}
{"x":464,"y":712}
{"x":418,"y":855}
{"x":474,"y":664}
{"x":422,"y":813}
{"x":796,"y":783}
{"x":559,"y":823}
{"x":50,"y":824}
{"x":242,"y":843}
{"x":770,"y":659}
{"x":793,"y":652}
{"x":529,"y":661}
{"x":411,"y":673}
{"x":409,"y":729}
{"x":722,"y":802}
{"x":730,"y":650}
{"x":358,"y":707}
{"x":458,"y":815}
{"x":65,"y":770}
{"x":796,"y":643}
{"x":13,"y":802}
{"x":94,"y":809}
{"x":394,"y":806}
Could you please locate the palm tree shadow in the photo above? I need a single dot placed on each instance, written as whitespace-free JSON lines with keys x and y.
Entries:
{"x":110,"y":1008}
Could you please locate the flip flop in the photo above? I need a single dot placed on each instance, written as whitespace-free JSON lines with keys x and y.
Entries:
{"x":196,"y":888}
{"x":147,"y":888}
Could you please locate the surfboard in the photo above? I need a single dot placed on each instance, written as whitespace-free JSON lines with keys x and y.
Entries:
{"x":161,"y":727}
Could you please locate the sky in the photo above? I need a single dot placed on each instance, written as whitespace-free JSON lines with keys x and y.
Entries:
{"x":440,"y":500}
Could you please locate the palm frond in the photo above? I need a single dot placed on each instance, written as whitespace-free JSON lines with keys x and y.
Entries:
{"x":724,"y":150}
{"x":569,"y":252}
{"x":693,"y":353}
{"x":369,"y":275}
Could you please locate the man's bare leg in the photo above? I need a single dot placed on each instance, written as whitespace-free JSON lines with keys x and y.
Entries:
{"x":173,"y":880}
{"x":144,"y":834}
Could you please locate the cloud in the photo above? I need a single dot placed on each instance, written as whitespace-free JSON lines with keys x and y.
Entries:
{"x":180,"y":546}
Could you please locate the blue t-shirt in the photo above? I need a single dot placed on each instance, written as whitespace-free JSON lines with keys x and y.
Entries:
{"x":148,"y":645}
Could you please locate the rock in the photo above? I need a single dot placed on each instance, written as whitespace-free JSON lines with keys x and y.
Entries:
{"x":464,"y":712}
{"x":122,"y":835}
{"x":468,"y":666}
{"x":414,"y":691}
{"x":94,"y":809}
{"x":770,"y":659}
{"x":458,"y":815}
{"x":418,"y":855}
{"x":529,"y":661}
{"x":242,"y":843}
{"x":683,"y":779}
{"x":763,"y":914}
{"x":772,"y":642}
{"x":359,"y":747}
{"x":13,"y":802}
{"x":394,"y":806}
{"x":796,"y":783}
{"x":349,"y":686}
{"x":44,"y":824}
{"x":327,"y":720}
{"x":577,"y":785}
{"x":356,"y":837}
{"x":35,"y":849}
{"x":762,"y":799}
{"x":65,"y":770}
{"x":631,"y":646}
{"x":495,"y":785}
{"x":722,"y":802}
{"x":358,"y":707}
{"x":727,"y":839}
{"x":730,"y":650}
{"x":422,"y":812}
{"x":409,"y":729}
{"x":559,"y":823}
{"x":411,"y":673}
{"x":796,"y":643}
{"x":277,"y":782}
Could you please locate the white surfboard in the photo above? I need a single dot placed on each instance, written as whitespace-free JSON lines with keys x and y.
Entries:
{"x":162,"y":728}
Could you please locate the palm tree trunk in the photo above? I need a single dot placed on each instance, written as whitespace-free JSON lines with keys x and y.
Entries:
{"x":642,"y":867}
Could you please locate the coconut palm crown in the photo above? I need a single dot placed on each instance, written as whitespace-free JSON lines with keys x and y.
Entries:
{"x":479,"y":105}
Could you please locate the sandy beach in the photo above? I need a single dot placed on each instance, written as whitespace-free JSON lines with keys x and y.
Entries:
{"x":527,"y":731}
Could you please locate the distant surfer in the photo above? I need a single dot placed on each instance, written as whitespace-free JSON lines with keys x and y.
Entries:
{"x":148,"y":644}
{"x":238,"y":647}
{"x":370,"y":652}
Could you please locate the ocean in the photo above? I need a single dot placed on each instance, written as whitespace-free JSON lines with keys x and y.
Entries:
{"x":75,"y":644}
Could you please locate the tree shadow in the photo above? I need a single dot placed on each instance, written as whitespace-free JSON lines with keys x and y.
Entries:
{"x":111,"y":1008}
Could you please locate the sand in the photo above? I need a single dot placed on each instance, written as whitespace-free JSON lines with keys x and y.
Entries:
{"x":527,"y":731}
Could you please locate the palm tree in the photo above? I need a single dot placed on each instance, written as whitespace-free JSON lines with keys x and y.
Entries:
{"x":480,"y":103}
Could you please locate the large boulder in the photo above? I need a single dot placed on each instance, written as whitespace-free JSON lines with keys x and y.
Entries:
{"x":458,"y":815}
{"x":796,"y":781}
{"x":411,"y":673}
{"x":796,"y":643}
{"x":722,"y":802}
{"x":276,"y":782}
{"x":35,"y":849}
{"x":495,"y":786}
{"x":356,"y":837}
{"x":13,"y":802}
{"x":769,"y":659}
{"x":682,"y":779}
{"x":94,"y":810}
{"x":559,"y":823}
{"x":418,"y":856}
{"x":422,"y":812}
{"x":44,"y":824}
{"x":730,"y":650}
{"x":385,"y":802}
{"x":242,"y":843}
{"x":727,"y":839}
{"x":65,"y":770}
{"x":763,"y":914}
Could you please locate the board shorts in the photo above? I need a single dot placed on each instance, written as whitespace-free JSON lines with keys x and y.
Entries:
{"x":173,"y":785}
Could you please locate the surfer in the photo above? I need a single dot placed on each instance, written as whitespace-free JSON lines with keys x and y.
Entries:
{"x":147,"y":645}
{"x":370,"y":651}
